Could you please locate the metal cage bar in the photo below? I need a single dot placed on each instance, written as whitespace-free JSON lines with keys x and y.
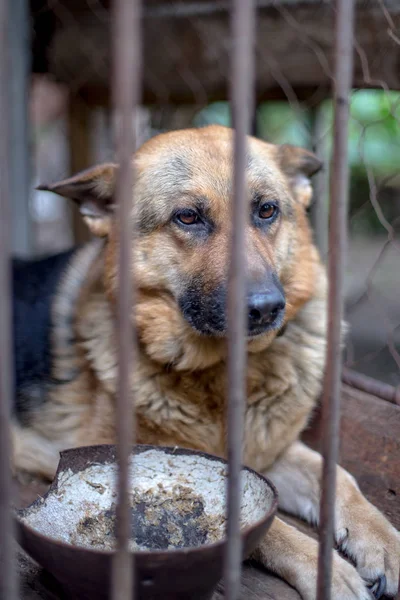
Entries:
{"x":243,"y":22}
{"x":369,"y":385}
{"x":127,"y":85}
{"x":8,"y":582}
{"x":344,"y":35}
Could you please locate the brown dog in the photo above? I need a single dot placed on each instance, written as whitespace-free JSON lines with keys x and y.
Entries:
{"x":183,"y":215}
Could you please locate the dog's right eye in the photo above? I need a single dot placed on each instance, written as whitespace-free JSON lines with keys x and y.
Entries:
{"x":187,"y":217}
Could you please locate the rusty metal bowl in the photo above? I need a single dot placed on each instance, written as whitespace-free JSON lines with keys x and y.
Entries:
{"x":178,"y":513}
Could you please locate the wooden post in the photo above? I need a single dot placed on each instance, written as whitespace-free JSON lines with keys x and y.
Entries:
{"x":320,"y":206}
{"x":79,"y":155}
{"x":20,"y":176}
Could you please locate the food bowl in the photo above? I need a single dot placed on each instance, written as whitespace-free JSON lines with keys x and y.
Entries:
{"x":177,"y":515}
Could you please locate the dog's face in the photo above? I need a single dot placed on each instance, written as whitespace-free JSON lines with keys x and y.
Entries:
{"x":183,"y":218}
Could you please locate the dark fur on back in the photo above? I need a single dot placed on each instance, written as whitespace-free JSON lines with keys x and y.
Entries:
{"x":34,"y":287}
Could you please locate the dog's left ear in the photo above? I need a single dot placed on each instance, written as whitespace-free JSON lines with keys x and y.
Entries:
{"x":299,"y":165}
{"x":93,"y":191}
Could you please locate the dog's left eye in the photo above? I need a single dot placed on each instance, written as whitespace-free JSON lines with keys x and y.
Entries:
{"x":267,"y":211}
{"x":187,"y":217}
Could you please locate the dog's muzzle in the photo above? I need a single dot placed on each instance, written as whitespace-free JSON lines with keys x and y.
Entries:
{"x":206,"y":313}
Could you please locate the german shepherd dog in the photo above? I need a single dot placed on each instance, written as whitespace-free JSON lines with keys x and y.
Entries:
{"x":182,"y":212}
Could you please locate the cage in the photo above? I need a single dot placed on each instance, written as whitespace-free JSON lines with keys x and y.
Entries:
{"x":285,"y":71}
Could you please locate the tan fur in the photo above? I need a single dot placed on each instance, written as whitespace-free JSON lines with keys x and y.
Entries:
{"x":179,"y":382}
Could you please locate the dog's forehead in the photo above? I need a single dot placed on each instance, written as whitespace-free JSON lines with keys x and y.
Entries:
{"x":185,"y":153}
{"x":201,"y":161}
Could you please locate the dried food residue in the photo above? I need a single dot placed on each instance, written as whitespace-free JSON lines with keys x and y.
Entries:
{"x":160,"y":520}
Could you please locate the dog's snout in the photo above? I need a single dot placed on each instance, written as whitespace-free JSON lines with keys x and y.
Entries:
{"x":264,"y":309}
{"x":206,"y":313}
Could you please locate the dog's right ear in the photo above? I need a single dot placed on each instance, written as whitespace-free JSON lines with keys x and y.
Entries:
{"x":299,"y":165}
{"x":93,"y":191}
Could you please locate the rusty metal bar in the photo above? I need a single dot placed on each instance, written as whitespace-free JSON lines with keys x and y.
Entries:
{"x":369,"y":385}
{"x":8,"y":583}
{"x":126,"y":86}
{"x":242,"y":102}
{"x":344,"y":34}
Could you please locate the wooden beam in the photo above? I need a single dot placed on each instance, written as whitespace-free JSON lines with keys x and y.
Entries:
{"x":320,"y":205}
{"x":20,"y":173}
{"x":294,"y":51}
{"x":97,"y":95}
{"x":79,"y":155}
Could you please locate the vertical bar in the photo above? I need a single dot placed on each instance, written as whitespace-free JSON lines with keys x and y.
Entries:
{"x":337,"y":253}
{"x":243,"y":31}
{"x":18,"y":84}
{"x":8,"y":584}
{"x":126,"y":86}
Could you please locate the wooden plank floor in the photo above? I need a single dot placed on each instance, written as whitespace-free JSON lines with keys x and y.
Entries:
{"x":370,"y":449}
{"x":36,"y":584}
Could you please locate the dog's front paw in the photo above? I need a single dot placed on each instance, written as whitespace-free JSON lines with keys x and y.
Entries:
{"x":294,"y":556}
{"x":367,"y":537}
{"x":346,"y":582}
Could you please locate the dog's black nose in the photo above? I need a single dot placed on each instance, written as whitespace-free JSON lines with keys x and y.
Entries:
{"x":264,"y":309}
